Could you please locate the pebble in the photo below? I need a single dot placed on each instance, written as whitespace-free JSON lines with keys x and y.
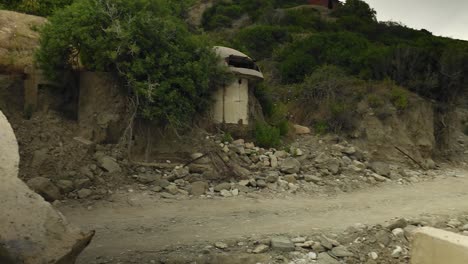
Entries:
{"x":221,"y":245}
{"x":396,"y":253}
{"x":373,"y":255}
{"x":260,"y":249}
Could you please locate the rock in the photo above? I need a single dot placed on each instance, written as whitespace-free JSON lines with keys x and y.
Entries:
{"x":147,"y":178}
{"x":45,"y":188}
{"x":465,"y":227}
{"x":163,"y":183}
{"x":341,"y":252}
{"x":430,"y":164}
{"x":396,"y":253}
{"x":39,"y":157}
{"x":282,"y":244}
{"x":200,"y":158}
{"x":290,"y":166}
{"x":409,"y":231}
{"x":225,"y":193}
{"x":378,"y":177}
{"x":301,"y":130}
{"x":271,"y":178}
{"x":273,"y":161}
{"x":349,"y":151}
{"x":454,"y":223}
{"x":235,"y":192}
{"x":239,"y":142}
{"x":156,"y":189}
{"x":299,"y":240}
{"x":333,"y":165}
{"x":261,"y":183}
{"x":82,"y":183}
{"x":109,"y":164}
{"x":399,"y":223}
{"x":84,"y":193}
{"x":324,"y":258}
{"x":317,"y":247}
{"x":281,"y":154}
{"x":249,"y":145}
{"x":167,"y":195}
{"x":260,"y":249}
{"x":222,"y":186}
{"x":291,"y":178}
{"x":241,"y":171}
{"x":172,"y":189}
{"x":244,"y":182}
{"x":328,"y":242}
{"x":399,"y":233}
{"x":221,"y":245}
{"x":181,"y":172}
{"x":198,"y":188}
{"x":380,"y":168}
{"x":321,"y":158}
{"x":383,"y":237}
{"x":373,"y":255}
{"x":312,"y":178}
{"x":65,"y":186}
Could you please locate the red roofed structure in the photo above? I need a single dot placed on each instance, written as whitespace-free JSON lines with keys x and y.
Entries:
{"x":330,"y":4}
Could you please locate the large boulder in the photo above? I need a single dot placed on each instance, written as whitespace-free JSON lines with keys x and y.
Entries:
{"x":45,"y":188}
{"x":32,"y":231}
{"x":380,"y":168}
{"x":290,"y":166}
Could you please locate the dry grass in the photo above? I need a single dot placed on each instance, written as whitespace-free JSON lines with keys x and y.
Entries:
{"x":19,"y":38}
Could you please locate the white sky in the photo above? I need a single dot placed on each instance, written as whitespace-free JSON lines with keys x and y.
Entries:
{"x":447,"y":18}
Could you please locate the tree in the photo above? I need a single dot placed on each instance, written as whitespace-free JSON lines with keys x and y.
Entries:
{"x":356,"y":8}
{"x":169,"y":71}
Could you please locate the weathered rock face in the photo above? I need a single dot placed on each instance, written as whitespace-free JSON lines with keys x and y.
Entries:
{"x":31,"y":230}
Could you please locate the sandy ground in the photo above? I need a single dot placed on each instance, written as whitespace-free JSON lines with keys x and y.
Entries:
{"x":139,"y":222}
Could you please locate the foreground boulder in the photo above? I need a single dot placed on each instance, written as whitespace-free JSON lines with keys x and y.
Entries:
{"x":31,"y":231}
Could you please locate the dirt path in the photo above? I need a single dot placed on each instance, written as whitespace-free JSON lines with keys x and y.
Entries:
{"x":144,"y":223}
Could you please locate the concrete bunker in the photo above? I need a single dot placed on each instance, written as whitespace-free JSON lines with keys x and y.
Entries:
{"x":231,"y":104}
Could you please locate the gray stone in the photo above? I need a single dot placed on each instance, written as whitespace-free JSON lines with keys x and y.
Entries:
{"x":399,"y":223}
{"x":82,"y":183}
{"x":147,"y":178}
{"x":172,"y":189}
{"x":45,"y":188}
{"x":281,"y":154}
{"x":282,"y":244}
{"x":156,"y":189}
{"x":380,"y":168}
{"x":290,"y":166}
{"x":204,"y":160}
{"x":317,"y":247}
{"x":271,"y":178}
{"x":383,"y":237}
{"x":327,"y":242}
{"x":65,"y":186}
{"x":273,"y":161}
{"x":167,"y":195}
{"x":260,"y":249}
{"x":261,"y":183}
{"x":324,"y":258}
{"x":109,"y":164}
{"x":84,"y":193}
{"x":163,"y":183}
{"x":333,"y":165}
{"x":222,"y":186}
{"x":225,"y":193}
{"x":39,"y":157}
{"x":349,"y":151}
{"x":291,"y":178}
{"x":181,"y":172}
{"x":341,"y":252}
{"x":378,"y":177}
{"x":312,"y":178}
{"x":198,"y":188}
{"x":221,"y":245}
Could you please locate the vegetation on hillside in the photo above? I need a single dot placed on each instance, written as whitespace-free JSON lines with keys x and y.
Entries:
{"x":342,"y":55}
{"x":170,"y":71}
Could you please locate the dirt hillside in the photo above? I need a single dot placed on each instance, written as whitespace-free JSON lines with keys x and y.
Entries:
{"x":19,"y":38}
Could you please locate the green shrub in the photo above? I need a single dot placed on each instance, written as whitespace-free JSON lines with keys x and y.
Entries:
{"x":259,"y":41}
{"x":227,"y":137}
{"x":266,"y":135}
{"x":375,"y":101}
{"x":170,"y":72}
{"x":399,"y":98}
{"x":321,"y":127}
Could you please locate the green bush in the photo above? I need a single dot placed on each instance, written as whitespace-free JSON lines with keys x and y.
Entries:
{"x":170,"y":72}
{"x":266,"y":135}
{"x":399,"y":98}
{"x":375,"y":101}
{"x":259,"y":41}
{"x":321,"y":127}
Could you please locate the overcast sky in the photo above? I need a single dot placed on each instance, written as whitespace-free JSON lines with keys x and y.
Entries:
{"x":447,"y":18}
